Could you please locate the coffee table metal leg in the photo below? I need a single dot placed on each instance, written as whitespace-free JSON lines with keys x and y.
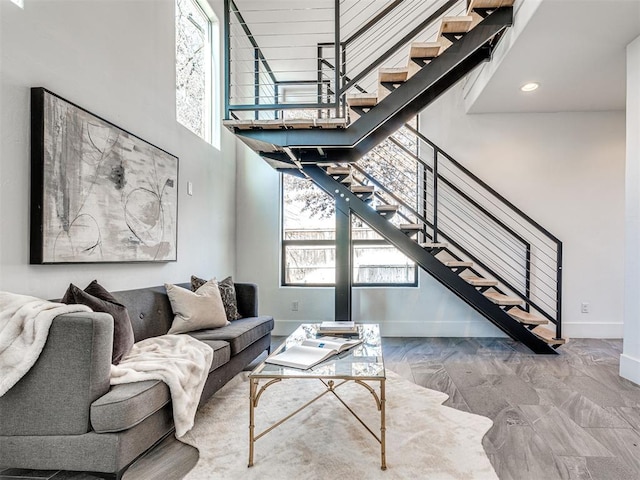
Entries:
{"x":253,"y":384}
{"x":383,"y":426}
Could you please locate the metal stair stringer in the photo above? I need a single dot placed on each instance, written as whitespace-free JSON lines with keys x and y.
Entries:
{"x":429,"y":263}
{"x":397,"y":108}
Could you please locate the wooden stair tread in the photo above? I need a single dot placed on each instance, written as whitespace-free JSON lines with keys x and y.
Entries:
{"x":526,"y":317}
{"x":434,"y":245}
{"x":459,"y":24}
{"x":481,"y":282}
{"x":393,"y":75}
{"x":458,"y":263}
{"x":294,"y":123}
{"x":410,"y":226}
{"x":490,"y":4}
{"x":548,"y":336}
{"x":363,"y":189}
{"x":362,"y":100}
{"x":425,"y":49}
{"x":339,"y":170}
{"x":501,"y":299}
{"x":387,"y":208}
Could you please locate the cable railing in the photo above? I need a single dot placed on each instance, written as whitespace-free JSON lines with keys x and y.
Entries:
{"x":478,"y":223}
{"x":282,"y":57}
{"x":292,"y":60}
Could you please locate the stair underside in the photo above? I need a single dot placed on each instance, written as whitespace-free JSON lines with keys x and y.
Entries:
{"x":445,"y":275}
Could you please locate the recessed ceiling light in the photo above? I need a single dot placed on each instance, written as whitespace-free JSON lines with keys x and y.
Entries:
{"x":529,"y":87}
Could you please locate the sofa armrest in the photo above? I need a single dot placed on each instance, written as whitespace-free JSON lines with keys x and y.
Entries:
{"x":247,"y":297}
{"x":55,"y":396}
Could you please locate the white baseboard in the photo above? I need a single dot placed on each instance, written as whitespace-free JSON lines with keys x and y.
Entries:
{"x":465,"y":329}
{"x":592,"y":330}
{"x":630,"y":368}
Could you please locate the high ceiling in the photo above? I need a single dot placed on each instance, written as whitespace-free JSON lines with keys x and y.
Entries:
{"x":575,"y":49}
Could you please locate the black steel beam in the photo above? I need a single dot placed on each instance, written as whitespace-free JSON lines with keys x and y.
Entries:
{"x":429,"y":263}
{"x":344,"y":263}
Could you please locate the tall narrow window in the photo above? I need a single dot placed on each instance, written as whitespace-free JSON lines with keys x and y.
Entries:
{"x":193,"y":68}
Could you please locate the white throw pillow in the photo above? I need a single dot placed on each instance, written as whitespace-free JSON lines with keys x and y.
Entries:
{"x":196,"y":310}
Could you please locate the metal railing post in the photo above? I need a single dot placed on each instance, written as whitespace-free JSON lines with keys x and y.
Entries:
{"x":319,"y":67}
{"x":527,"y":286}
{"x":435,"y":195}
{"x":256,"y":81}
{"x":227,"y":59}
{"x":559,"y":292}
{"x":337,"y":87}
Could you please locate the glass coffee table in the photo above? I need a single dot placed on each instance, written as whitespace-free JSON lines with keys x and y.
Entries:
{"x":362,"y":364}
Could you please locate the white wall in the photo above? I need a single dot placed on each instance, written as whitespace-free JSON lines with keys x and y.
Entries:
{"x":630,"y":358}
{"x":116,"y":59}
{"x":566,"y":170}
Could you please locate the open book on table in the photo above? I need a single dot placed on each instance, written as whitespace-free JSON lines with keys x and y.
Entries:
{"x":312,"y":351}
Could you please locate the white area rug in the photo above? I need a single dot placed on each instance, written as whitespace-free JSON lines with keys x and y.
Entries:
{"x":424,"y":438}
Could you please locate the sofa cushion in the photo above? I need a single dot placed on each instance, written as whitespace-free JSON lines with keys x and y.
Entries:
{"x":126,"y":405}
{"x":149,"y":310}
{"x":99,"y":299}
{"x":196,"y":310}
{"x":227,"y":292}
{"x":240,"y":334}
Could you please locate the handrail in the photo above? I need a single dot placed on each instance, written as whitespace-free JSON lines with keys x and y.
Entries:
{"x":379,"y":16}
{"x":394,"y":48}
{"x":252,"y":39}
{"x":483,"y":184}
{"x":466,"y":252}
{"x":510,"y":213}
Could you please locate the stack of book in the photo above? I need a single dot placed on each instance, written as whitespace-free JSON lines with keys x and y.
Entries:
{"x":338,"y":328}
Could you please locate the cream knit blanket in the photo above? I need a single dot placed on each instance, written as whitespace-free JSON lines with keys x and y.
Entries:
{"x":24,"y":327}
{"x":180,"y":361}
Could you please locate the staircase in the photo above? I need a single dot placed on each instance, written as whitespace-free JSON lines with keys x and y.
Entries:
{"x":516,"y":285}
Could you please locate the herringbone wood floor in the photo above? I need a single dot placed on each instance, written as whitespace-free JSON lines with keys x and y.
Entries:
{"x":568,"y":416}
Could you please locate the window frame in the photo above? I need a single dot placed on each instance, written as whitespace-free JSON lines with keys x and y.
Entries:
{"x":329,"y":243}
{"x":209,"y":56}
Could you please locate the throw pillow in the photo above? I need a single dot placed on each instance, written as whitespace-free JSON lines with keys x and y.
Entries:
{"x":196,"y":310}
{"x":227,"y":292}
{"x":196,"y":282}
{"x":96,"y":297}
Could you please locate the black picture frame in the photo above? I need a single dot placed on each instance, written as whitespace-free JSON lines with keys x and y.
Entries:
{"x":99,"y":194}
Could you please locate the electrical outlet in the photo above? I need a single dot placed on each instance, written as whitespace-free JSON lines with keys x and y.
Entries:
{"x":584,"y":307}
{"x":294,"y":306}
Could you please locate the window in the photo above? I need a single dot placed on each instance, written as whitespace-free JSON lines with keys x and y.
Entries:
{"x":309,"y":243}
{"x":193,"y":68}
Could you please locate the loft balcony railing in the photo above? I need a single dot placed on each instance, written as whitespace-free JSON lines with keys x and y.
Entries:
{"x":281,"y":58}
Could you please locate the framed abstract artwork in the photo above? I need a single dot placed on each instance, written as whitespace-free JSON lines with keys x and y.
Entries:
{"x":99,"y":194}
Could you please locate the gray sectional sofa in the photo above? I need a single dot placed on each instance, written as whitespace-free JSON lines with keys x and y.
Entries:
{"x":63,"y":414}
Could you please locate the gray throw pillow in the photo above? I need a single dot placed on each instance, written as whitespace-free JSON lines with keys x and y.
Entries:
{"x":227,"y":292}
{"x":96,"y":297}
